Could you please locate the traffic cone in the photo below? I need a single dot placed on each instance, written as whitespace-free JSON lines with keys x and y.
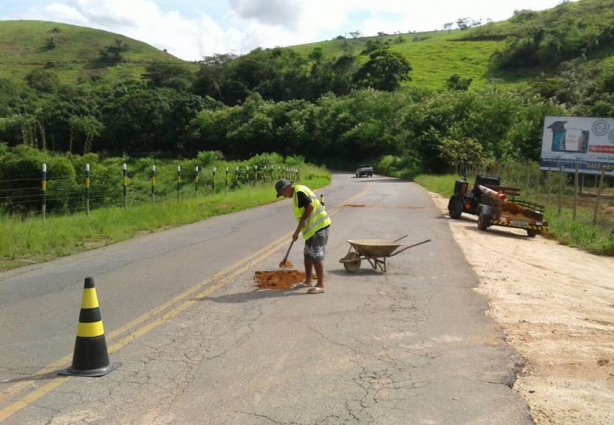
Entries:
{"x":90,"y":357}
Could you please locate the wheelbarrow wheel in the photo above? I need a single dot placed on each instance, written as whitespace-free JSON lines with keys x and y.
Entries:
{"x":351,"y":262}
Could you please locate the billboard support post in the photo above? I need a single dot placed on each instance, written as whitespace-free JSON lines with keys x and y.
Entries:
{"x":575,"y":191}
{"x":598,"y":195}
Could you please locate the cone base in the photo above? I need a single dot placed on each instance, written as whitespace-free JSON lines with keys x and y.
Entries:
{"x":101,"y":371}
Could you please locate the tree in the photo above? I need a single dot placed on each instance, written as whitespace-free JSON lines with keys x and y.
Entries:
{"x":175,"y":76}
{"x":466,"y":23}
{"x":461,"y":153}
{"x":316,"y":55}
{"x":114,"y":52}
{"x":335,"y":75}
{"x":455,"y":82}
{"x":51,"y":44}
{"x":448,"y":26}
{"x":43,"y":81}
{"x":356,"y":34}
{"x":385,"y":71}
{"x":135,"y":121}
{"x":84,"y":130}
{"x":463,"y":23}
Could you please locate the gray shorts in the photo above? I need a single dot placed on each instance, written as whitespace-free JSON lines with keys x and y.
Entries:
{"x":315,"y":246}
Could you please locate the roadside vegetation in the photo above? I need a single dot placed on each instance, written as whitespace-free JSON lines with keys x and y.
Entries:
{"x":34,"y":239}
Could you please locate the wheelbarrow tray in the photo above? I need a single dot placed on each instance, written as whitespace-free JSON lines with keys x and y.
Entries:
{"x":375,"y":251}
{"x":374,"y":247}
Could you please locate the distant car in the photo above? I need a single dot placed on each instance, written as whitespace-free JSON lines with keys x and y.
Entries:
{"x":364,"y":170}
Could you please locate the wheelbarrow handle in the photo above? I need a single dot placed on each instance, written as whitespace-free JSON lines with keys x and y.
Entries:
{"x":410,"y":246}
{"x":402,"y":237}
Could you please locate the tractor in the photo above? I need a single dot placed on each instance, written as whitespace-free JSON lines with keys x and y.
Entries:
{"x":466,"y":201}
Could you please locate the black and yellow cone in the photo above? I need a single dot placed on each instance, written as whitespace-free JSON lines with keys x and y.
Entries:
{"x":91,"y":357}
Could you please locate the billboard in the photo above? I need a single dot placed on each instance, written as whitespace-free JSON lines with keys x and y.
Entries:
{"x":587,"y":142}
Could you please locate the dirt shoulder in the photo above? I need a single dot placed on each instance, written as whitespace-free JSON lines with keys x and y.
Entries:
{"x":556,"y":307}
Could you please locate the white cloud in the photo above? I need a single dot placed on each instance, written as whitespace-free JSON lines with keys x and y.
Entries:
{"x":282,"y":13}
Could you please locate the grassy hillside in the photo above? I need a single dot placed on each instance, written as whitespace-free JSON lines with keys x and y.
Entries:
{"x":584,"y":26}
{"x":25,"y":45}
{"x":434,"y":56}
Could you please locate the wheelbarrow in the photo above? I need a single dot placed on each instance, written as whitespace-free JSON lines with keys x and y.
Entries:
{"x":375,"y":251}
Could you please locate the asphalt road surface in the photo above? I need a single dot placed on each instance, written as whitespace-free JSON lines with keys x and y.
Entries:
{"x":200,"y":343}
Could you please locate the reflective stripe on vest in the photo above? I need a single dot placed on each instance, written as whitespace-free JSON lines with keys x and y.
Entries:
{"x":318,"y":219}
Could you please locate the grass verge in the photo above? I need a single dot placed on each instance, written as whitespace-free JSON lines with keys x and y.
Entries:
{"x":33,"y":240}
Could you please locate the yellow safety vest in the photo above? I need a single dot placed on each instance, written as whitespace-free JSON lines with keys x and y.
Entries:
{"x":318,"y":218}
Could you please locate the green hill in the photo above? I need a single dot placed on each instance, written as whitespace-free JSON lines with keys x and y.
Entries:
{"x":434,"y":56}
{"x":529,"y":46}
{"x":72,"y":52}
{"x":75,"y":57}
{"x":567,"y":32}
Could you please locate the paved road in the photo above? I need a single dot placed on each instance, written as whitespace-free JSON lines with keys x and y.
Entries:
{"x":199,"y":343}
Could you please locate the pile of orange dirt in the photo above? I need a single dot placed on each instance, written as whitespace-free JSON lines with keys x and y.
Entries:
{"x":279,"y":279}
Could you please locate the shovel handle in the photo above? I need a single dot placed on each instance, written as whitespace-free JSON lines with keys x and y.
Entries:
{"x":288,"y":251}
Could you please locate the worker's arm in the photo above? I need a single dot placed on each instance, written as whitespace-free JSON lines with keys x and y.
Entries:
{"x":303,"y":220}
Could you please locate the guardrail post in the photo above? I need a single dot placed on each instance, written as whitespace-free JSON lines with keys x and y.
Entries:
{"x":178,"y":182}
{"x":213,"y":180}
{"x":125,"y":184}
{"x":44,"y":189}
{"x":196,"y":182}
{"x":87,"y":189}
{"x":153,"y":184}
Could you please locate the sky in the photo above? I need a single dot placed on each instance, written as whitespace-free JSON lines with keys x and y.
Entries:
{"x":194,"y":29}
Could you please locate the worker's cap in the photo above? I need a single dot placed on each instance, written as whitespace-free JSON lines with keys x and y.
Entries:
{"x":281,"y":185}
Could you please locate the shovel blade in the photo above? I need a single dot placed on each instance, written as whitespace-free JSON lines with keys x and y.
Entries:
{"x":285,"y":264}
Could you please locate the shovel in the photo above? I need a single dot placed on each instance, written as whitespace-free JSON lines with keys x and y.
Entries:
{"x":284,"y":263}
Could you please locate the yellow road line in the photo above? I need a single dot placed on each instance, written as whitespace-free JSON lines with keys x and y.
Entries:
{"x":224,"y":277}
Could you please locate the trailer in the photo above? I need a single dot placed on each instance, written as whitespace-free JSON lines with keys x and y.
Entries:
{"x":519,"y":214}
